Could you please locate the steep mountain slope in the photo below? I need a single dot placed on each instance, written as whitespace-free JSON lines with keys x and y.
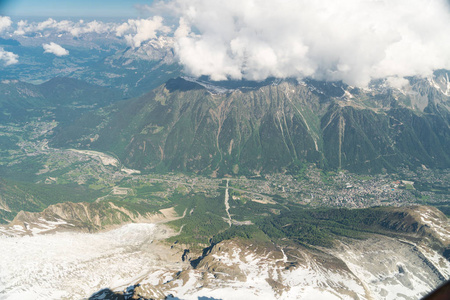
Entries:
{"x":182,"y":126}
{"x":19,"y":99}
{"x":370,"y":141}
{"x":193,"y":126}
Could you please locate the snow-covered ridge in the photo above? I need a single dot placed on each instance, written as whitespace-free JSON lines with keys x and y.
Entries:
{"x":377,"y":268}
{"x":33,"y":228}
{"x":442,"y":84}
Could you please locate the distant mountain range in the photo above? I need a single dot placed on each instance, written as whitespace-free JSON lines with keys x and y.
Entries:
{"x":65,"y":97}
{"x":242,"y":128}
{"x":133,"y":71}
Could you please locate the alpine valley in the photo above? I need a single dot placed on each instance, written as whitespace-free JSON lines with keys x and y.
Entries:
{"x":124,"y":179}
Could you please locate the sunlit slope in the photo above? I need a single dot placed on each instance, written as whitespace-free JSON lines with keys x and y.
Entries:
{"x":188,"y":126}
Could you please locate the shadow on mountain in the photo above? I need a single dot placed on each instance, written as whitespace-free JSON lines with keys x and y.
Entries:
{"x":128,"y":294}
{"x":179,"y":84}
{"x":242,"y":84}
{"x":170,"y":297}
{"x":111,"y":295}
{"x":183,"y":85}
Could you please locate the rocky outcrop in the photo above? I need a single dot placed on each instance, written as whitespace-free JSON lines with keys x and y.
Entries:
{"x":404,"y":265}
{"x":89,"y":217}
{"x":423,"y":221}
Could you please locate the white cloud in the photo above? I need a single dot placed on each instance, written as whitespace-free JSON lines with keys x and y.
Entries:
{"x":397,"y":82}
{"x":8,"y":58}
{"x":21,"y":27}
{"x":141,"y":30}
{"x":349,"y":40}
{"x":65,"y":26}
{"x":5,"y":23}
{"x":134,"y":32}
{"x":91,"y":27}
{"x":49,"y":23}
{"x":55,"y":49}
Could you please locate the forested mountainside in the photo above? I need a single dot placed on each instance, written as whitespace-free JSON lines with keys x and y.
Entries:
{"x":199,"y":127}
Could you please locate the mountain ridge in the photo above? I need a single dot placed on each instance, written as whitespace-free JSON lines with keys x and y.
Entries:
{"x":184,"y":125}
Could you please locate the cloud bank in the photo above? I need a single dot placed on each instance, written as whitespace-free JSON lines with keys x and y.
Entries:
{"x":349,"y":40}
{"x":65,"y":26}
{"x":141,"y":30}
{"x":8,"y":58}
{"x":55,"y":49}
{"x":5,"y":23}
{"x":134,"y":32}
{"x":354,"y":41}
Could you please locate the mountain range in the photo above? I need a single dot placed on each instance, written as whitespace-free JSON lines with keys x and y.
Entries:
{"x":214,"y":127}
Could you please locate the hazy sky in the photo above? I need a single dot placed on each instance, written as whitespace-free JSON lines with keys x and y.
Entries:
{"x":71,"y":8}
{"x":350,"y":40}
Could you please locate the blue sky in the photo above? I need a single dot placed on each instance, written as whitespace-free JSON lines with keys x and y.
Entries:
{"x":71,"y":8}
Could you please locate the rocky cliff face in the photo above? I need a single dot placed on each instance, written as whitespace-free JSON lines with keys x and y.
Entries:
{"x":376,"y":268}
